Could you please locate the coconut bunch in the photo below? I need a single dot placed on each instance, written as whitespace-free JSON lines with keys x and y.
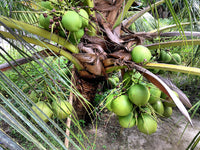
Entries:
{"x":61,"y":109}
{"x":48,"y":107}
{"x":171,"y":58}
{"x":141,"y":103}
{"x":69,"y":23}
{"x":50,"y":103}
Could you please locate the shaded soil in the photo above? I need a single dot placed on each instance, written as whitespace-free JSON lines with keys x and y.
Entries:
{"x":170,"y":135}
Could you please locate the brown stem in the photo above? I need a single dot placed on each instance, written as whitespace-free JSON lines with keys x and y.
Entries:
{"x":21,"y":61}
{"x":177,"y":33}
{"x":130,"y":20}
{"x":173,"y":43}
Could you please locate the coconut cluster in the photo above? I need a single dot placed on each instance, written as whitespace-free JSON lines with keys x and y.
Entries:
{"x":61,"y":109}
{"x":139,"y":103}
{"x":49,"y":104}
{"x":69,"y":23}
{"x":142,"y":55}
{"x":168,"y":57}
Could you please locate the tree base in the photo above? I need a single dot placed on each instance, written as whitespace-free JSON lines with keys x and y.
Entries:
{"x":84,"y":105}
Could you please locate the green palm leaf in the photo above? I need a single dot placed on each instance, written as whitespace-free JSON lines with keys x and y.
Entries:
{"x":5,"y":139}
{"x":21,"y":98}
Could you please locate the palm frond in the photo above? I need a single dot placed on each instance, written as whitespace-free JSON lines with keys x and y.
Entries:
{"x":174,"y":43}
{"x":175,"y":68}
{"x":194,"y":142}
{"x":46,"y":74}
{"x":8,"y":141}
{"x":38,"y":31}
{"x":127,"y":22}
{"x":19,"y":10}
{"x":145,"y":23}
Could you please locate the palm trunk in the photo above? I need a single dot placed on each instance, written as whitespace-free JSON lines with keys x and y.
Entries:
{"x":88,"y":89}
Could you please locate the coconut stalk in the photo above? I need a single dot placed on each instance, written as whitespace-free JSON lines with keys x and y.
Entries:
{"x":68,"y":123}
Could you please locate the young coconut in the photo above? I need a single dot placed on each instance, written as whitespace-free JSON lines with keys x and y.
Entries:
{"x":165,"y":56}
{"x":155,"y":93}
{"x":127,"y":121}
{"x":146,"y":124}
{"x":44,"y":108}
{"x":45,"y":21}
{"x":167,"y":111}
{"x":121,"y":105}
{"x":72,"y":21}
{"x":139,"y":94}
{"x":141,"y":54}
{"x":62,"y":109}
{"x":176,"y":59}
{"x":109,"y":100}
{"x":76,"y":36}
{"x":85,"y":17}
{"x":158,"y":107}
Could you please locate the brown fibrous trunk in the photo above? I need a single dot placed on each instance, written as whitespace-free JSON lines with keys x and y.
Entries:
{"x":88,"y":89}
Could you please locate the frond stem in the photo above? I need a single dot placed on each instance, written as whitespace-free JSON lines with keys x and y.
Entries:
{"x":174,"y":43}
{"x":60,"y":51}
{"x":12,"y":23}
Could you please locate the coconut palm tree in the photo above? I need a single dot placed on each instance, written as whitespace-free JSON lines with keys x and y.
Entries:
{"x":104,"y":48}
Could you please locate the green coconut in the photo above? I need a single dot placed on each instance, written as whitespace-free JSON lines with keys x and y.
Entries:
{"x":76,"y":36}
{"x":127,"y":121}
{"x":167,"y":111}
{"x":176,"y":59}
{"x":165,"y":56}
{"x":109,"y":100}
{"x":44,"y":108}
{"x":158,"y":107}
{"x":121,"y":106}
{"x":155,"y":93}
{"x":146,"y":124}
{"x":45,"y":21}
{"x":141,"y":54}
{"x":72,"y":21}
{"x":62,"y":108}
{"x":85,"y":17}
{"x":139,"y":94}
